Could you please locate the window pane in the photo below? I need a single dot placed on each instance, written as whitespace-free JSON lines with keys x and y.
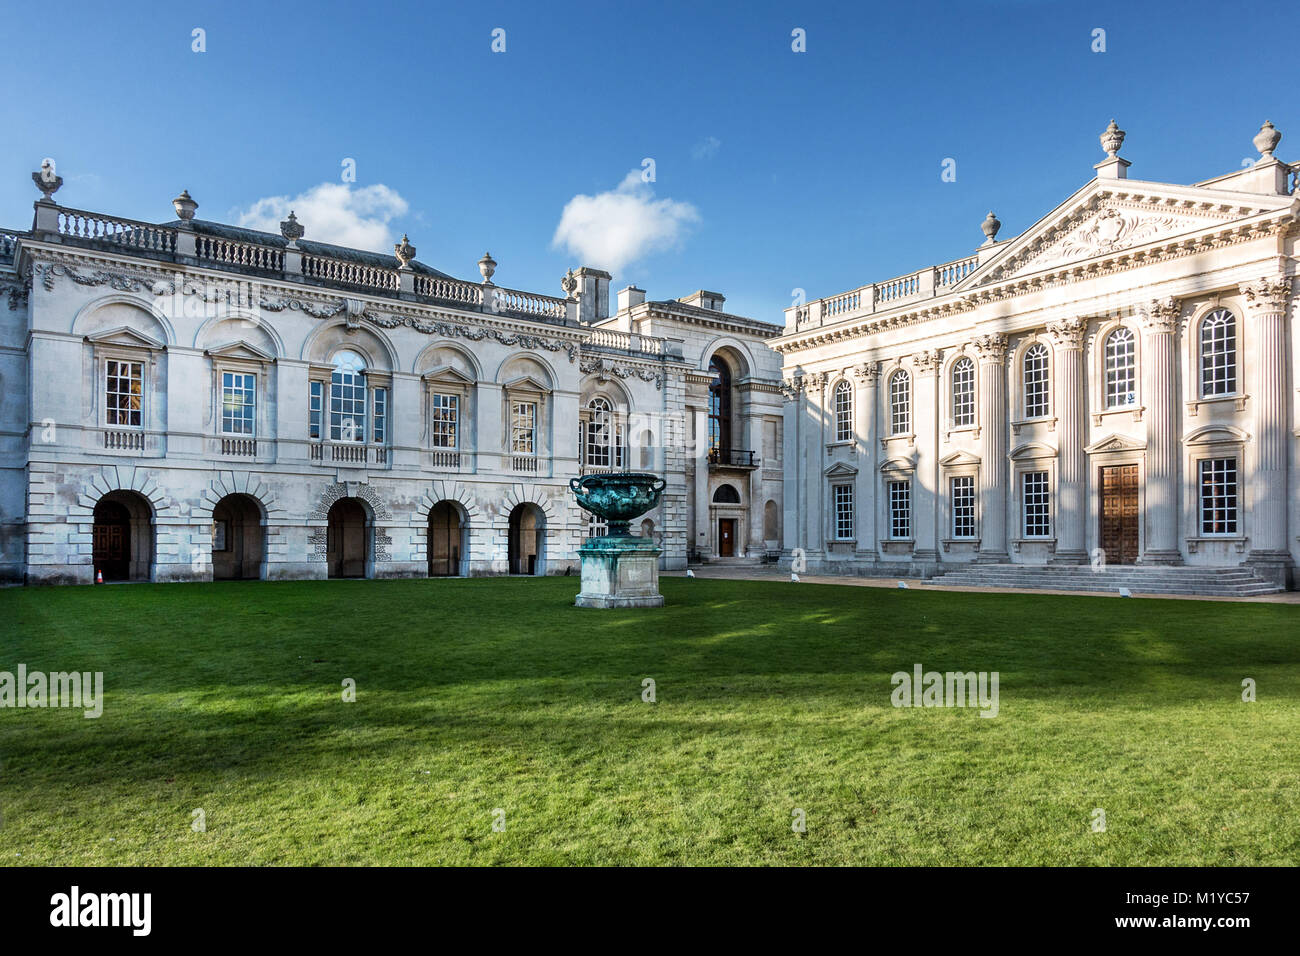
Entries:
{"x":900,"y":509}
{"x":900,"y":403}
{"x":446,"y":420}
{"x":963,"y":393}
{"x":843,"y":504}
{"x":1035,"y":504}
{"x":1218,"y":496}
{"x":843,"y":412}
{"x":1219,"y":353}
{"x":123,"y":393}
{"x":962,"y":496}
{"x":1037,"y":404}
{"x":1121,"y":369}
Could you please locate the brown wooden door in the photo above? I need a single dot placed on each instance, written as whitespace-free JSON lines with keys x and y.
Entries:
{"x":112,"y":541}
{"x":726,"y":537}
{"x":1119,"y":513}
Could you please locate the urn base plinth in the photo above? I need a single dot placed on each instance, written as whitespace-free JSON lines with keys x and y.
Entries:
{"x":619,"y":571}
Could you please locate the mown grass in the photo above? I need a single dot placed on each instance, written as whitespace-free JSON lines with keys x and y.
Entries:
{"x":497,"y":693}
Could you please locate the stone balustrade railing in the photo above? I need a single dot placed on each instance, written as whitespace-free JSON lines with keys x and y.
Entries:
{"x":880,"y":296}
{"x":625,"y":341}
{"x":112,"y":230}
{"x":449,"y":290}
{"x":530,"y":303}
{"x":350,"y":273}
{"x":246,"y":255}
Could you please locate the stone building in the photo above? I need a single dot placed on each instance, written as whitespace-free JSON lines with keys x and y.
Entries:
{"x":190,"y":400}
{"x":1115,"y":384}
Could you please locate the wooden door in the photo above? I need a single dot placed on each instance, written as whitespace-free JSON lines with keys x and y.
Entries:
{"x":1119,"y":513}
{"x":112,"y":541}
{"x":726,"y":537}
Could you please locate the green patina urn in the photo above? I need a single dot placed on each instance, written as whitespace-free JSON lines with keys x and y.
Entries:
{"x":618,"y":497}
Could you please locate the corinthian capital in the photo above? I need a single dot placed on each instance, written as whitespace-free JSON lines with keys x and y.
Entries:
{"x":1160,"y":316}
{"x":790,"y":389}
{"x":1067,"y":333}
{"x":926,"y":361}
{"x":1269,"y":294}
{"x":866,"y":372}
{"x":991,"y":348}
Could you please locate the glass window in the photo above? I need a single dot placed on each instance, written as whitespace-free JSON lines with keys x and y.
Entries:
{"x":238,"y":401}
{"x":1218,"y":496}
{"x":843,"y":412}
{"x":1037,"y":402}
{"x":446,"y":420}
{"x":123,"y":393}
{"x":599,"y":433}
{"x":719,"y":407}
{"x":1121,"y":369}
{"x":961,"y":495}
{"x":963,"y":393}
{"x":315,"y":403}
{"x":523,"y":428}
{"x":348,"y":398}
{"x":900,"y":403}
{"x":380,"y":416}
{"x":900,"y":509}
{"x":1035,"y":504}
{"x":1219,"y":353}
{"x":843,"y":511}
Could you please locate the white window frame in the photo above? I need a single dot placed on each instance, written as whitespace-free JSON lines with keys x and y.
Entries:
{"x":966,"y":415}
{"x":119,"y":359}
{"x":843,"y":515}
{"x":444,"y":419}
{"x":1046,"y":503}
{"x":519,"y":408}
{"x":953,"y":515}
{"x":335,"y":403}
{"x":898,"y":489}
{"x":1042,"y":383}
{"x":899,"y":403}
{"x":1111,"y":369}
{"x":1229,"y":369}
{"x":1237,"y":515}
{"x":842,"y":404}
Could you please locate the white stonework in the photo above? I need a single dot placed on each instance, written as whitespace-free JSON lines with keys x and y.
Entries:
{"x":160,"y":376}
{"x":1178,"y":447}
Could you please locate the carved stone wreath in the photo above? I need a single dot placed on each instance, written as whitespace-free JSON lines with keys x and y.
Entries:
{"x":603,"y":369}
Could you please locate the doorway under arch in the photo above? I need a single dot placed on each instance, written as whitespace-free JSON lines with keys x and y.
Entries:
{"x":123,"y":537}
{"x":527,"y":545}
{"x":447,"y":547}
{"x":238,"y":542}
{"x":348,"y":539}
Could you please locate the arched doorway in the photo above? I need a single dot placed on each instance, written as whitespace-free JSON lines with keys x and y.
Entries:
{"x":123,"y":537}
{"x":447,"y":549}
{"x":237,"y":539}
{"x":527,"y":540}
{"x":347,"y":539}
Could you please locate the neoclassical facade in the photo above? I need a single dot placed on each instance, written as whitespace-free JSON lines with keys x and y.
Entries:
{"x":190,"y":400}
{"x":1116,"y":384}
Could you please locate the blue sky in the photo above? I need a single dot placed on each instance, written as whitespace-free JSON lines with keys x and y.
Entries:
{"x":773,"y":169}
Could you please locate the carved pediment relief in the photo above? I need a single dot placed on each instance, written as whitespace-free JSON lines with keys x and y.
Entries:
{"x":1113,"y":442}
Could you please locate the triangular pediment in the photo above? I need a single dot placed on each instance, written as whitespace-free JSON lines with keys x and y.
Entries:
{"x":1106,"y":217}
{"x":960,"y":458}
{"x":1114,"y":442}
{"x":447,"y":373}
{"x":124,"y":335}
{"x":241,"y":349}
{"x":526,"y":383}
{"x":840,"y":470}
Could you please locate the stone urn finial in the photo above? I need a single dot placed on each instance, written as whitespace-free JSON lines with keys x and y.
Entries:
{"x":1112,"y":139}
{"x":569,"y":283}
{"x":1266,"y":140}
{"x":47,"y":180}
{"x":185,"y":206}
{"x":991,"y":225}
{"x":292,"y":230}
{"x":405,"y":252}
{"x":487,"y":267}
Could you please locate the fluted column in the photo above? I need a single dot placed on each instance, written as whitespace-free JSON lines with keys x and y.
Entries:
{"x":1071,"y":467}
{"x":992,"y":353}
{"x":814,"y":454}
{"x":925,"y":487}
{"x":1160,"y":323}
{"x":1266,"y":305}
{"x":791,"y":533}
{"x":867,"y":375}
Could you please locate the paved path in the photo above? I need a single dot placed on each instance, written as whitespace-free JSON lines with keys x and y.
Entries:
{"x":936,"y":584}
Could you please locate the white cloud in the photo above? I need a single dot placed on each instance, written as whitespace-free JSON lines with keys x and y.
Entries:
{"x":334,"y":212}
{"x":706,"y":148}
{"x":611,"y":229}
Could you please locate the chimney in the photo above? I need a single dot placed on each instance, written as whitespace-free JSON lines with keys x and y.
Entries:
{"x":704,"y":299}
{"x":629,"y":297}
{"x":593,"y":294}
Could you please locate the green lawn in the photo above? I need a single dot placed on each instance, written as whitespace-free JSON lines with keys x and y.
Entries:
{"x":496,"y":693}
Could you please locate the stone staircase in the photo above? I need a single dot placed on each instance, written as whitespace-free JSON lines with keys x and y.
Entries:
{"x":1213,"y":582}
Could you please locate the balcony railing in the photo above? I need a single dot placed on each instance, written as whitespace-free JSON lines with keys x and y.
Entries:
{"x":625,"y":341}
{"x":881,"y":296}
{"x":348,"y":453}
{"x":125,"y":440}
{"x":732,"y":458}
{"x":115,"y":231}
{"x":524,"y":464}
{"x":445,"y":460}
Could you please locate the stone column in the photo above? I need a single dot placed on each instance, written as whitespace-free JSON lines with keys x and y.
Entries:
{"x":925,"y":488}
{"x":992,"y":353}
{"x":867,"y":375}
{"x":791,"y":531}
{"x":1071,"y":469}
{"x":703,"y":533}
{"x":814,"y":451}
{"x":1160,"y":323}
{"x":1266,"y":302}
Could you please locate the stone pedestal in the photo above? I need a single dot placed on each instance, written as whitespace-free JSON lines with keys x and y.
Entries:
{"x":619,"y":571}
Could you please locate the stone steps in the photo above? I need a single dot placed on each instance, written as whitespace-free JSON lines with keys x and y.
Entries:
{"x":1214,"y":582}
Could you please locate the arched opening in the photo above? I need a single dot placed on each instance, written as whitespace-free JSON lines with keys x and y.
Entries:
{"x":237,"y":539}
{"x":447,"y":546}
{"x":726,"y":495}
{"x":527,"y":540}
{"x":347,"y":539}
{"x":123,"y":537}
{"x":719,"y":409}
{"x":771,"y":525}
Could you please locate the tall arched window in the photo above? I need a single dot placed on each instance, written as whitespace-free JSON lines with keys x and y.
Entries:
{"x":963,"y":392}
{"x":600,"y":433}
{"x":844,"y":412}
{"x":348,"y":398}
{"x":719,"y":408}
{"x":1121,"y":368}
{"x":1218,"y":353}
{"x":900,"y":403}
{"x":1037,"y":401}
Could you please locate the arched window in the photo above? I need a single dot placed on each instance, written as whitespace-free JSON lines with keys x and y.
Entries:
{"x":844,"y":412}
{"x":1121,"y":368}
{"x":900,"y":403}
{"x":719,"y":408}
{"x":600,"y":433}
{"x":963,"y":392}
{"x":1218,"y":353}
{"x":726,"y":495}
{"x":348,"y":398}
{"x":1037,"y":402}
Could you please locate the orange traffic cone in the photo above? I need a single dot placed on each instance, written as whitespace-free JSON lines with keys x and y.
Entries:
{"x":99,"y":577}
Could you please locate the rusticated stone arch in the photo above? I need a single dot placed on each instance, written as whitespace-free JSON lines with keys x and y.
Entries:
{"x":376,"y":512}
{"x":236,"y":483}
